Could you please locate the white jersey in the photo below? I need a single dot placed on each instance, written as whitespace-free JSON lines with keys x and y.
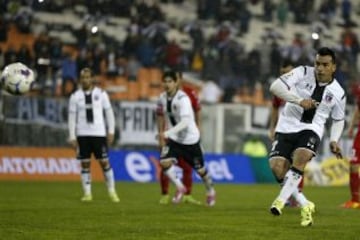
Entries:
{"x":89,"y":108}
{"x":331,"y":99}
{"x":174,"y":110}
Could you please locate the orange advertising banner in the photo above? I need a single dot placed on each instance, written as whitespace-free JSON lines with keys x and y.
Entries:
{"x":48,"y":164}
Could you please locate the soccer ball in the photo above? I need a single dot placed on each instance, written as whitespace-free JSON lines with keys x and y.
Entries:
{"x":17,"y":78}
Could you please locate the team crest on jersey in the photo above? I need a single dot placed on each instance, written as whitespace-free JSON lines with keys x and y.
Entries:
{"x":308,"y":86}
{"x":96,"y":97}
{"x":328,"y":97}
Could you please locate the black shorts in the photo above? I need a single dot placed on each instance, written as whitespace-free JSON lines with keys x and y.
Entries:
{"x":192,"y":154}
{"x":286,"y":143}
{"x":89,"y":145}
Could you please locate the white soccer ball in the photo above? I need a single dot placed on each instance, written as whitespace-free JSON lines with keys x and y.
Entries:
{"x":17,"y":78}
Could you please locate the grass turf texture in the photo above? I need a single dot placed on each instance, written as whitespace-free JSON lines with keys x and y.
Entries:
{"x":52,"y":210}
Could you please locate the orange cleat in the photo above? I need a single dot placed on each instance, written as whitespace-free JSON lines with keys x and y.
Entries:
{"x":350,"y":204}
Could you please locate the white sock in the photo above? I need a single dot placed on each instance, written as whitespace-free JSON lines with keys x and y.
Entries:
{"x":109,"y":178}
{"x":291,"y":182}
{"x":170,"y":172}
{"x":300,"y":198}
{"x":86,"y":181}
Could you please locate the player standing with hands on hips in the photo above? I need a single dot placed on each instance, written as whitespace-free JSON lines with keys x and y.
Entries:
{"x":88,"y":132}
{"x":181,"y":138}
{"x":312,"y":95}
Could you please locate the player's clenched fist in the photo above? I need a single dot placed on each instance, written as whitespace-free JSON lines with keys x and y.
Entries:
{"x":308,"y":104}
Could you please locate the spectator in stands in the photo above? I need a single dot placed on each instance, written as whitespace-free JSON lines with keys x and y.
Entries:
{"x":173,"y":53}
{"x":244,"y":16}
{"x":282,"y":11}
{"x":346,"y":9}
{"x":56,"y":51}
{"x":81,"y":35}
{"x":210,"y":92}
{"x":3,"y":29}
{"x":111,"y":63}
{"x":350,"y":44}
{"x":268,"y":8}
{"x":146,"y":53}
{"x":10,"y":55}
{"x":132,"y":68}
{"x":69,"y":74}
{"x":24,"y":55}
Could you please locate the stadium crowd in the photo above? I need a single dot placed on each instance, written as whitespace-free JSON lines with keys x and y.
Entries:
{"x":212,"y":45}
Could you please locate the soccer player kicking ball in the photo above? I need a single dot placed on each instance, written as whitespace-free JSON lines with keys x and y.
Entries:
{"x":280,"y":165}
{"x":312,"y":95}
{"x":182,"y":137}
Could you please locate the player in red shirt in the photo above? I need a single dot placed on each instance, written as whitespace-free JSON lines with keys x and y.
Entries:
{"x":354,"y":181}
{"x":187,"y":170}
{"x":277,"y":104}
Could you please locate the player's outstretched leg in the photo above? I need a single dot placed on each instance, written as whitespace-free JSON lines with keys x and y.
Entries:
{"x":291,"y":181}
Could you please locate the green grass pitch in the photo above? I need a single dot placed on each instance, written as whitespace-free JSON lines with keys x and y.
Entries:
{"x":52,"y":210}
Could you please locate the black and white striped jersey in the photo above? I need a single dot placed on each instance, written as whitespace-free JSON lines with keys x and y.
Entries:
{"x":176,"y":109}
{"x":331,"y":98}
{"x":89,"y":107}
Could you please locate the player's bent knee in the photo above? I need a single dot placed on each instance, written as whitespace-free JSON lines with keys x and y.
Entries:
{"x":85,"y":163}
{"x":166,"y":163}
{"x":104,"y":163}
{"x":201,"y":171}
{"x":277,"y":163}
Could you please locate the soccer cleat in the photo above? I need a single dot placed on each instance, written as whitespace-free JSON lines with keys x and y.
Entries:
{"x":311,"y":205}
{"x":276,"y":207}
{"x":178,"y":195}
{"x":86,"y":198}
{"x":306,"y":217}
{"x":350,"y":204}
{"x":114,"y":197}
{"x":165,"y":199}
{"x":190,"y":199}
{"x":211,"y":198}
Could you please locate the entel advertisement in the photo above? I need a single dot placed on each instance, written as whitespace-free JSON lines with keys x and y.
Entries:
{"x":18,"y":163}
{"x":144,"y":167}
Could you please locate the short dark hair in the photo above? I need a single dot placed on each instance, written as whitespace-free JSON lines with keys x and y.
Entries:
{"x":325,"y":51}
{"x":174,"y":75}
